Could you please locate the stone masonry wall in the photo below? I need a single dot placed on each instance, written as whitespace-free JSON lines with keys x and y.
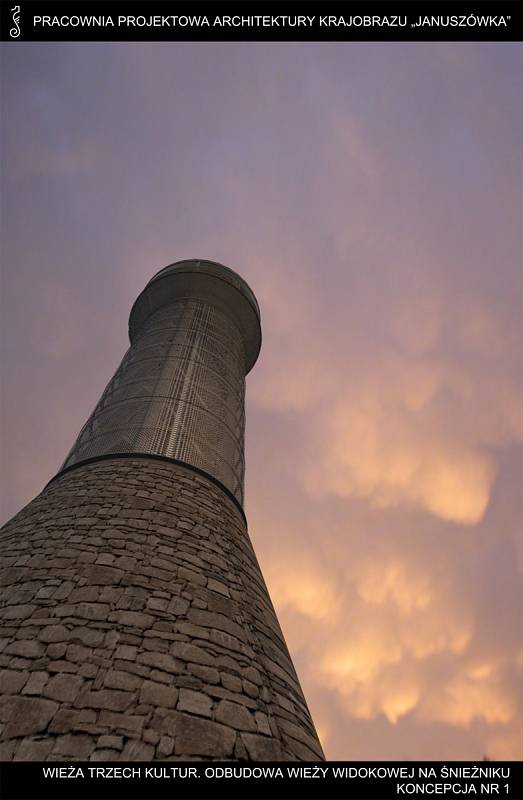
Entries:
{"x":136,"y":625}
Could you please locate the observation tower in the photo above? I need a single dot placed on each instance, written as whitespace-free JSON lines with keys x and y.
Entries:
{"x":136,"y":621}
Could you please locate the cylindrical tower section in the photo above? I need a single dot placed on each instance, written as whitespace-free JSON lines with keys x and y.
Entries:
{"x":135,"y":621}
{"x":179,"y":391}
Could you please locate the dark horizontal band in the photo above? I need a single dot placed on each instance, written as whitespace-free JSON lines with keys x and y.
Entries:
{"x":155,"y":457}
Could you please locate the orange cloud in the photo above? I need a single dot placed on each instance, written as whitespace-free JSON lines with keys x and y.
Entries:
{"x":370,"y":451}
{"x":476,"y":694}
{"x":303,"y":586}
{"x":410,"y":592}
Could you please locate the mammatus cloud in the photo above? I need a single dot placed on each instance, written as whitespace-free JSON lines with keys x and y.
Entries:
{"x":381,"y":612}
{"x":301,"y":585}
{"x":397,"y":638}
{"x":477,"y":692}
{"x":371,"y":452}
{"x":388,"y":424}
{"x":411,"y":430}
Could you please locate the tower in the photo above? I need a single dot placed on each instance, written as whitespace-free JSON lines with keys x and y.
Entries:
{"x":136,"y":622}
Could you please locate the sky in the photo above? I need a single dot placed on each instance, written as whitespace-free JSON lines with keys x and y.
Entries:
{"x":371,"y":195}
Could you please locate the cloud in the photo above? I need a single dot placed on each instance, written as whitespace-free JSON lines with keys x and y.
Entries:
{"x":393,"y":583}
{"x":505,"y":746}
{"x":386,"y":416}
{"x":302,"y":585}
{"x":476,"y":693}
{"x":369,"y":451}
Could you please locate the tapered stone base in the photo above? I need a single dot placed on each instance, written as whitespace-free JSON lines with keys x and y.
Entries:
{"x":136,"y":625}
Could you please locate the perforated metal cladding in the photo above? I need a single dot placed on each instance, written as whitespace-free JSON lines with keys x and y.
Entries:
{"x":179,"y":392}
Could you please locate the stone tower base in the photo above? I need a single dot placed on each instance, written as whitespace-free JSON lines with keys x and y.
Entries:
{"x":137,"y":625}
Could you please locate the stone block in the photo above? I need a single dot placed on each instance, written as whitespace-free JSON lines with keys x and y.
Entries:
{"x":195,"y":703}
{"x":135,"y":619}
{"x":240,"y":751}
{"x":157,"y":694}
{"x":101,"y":575}
{"x":252,"y":674}
{"x":191,"y":577}
{"x":250,"y":688}
{"x":62,"y":666}
{"x":92,"y":611}
{"x":190,"y":652}
{"x":161,"y":661}
{"x":157,"y":603}
{"x":111,"y":594}
{"x":105,"y":754}
{"x":260,"y":748}
{"x":26,"y":715}
{"x":165,"y":747}
{"x":118,"y":679}
{"x":86,"y":594}
{"x":194,"y":736}
{"x":164,"y":720}
{"x":45,"y":592}
{"x":112,"y":638}
{"x":110,"y":699}
{"x":18,"y":612}
{"x":137,"y":751}
{"x":231,"y":682}
{"x":54,"y":633}
{"x":159,"y":676}
{"x":155,"y":644}
{"x":65,"y":610}
{"x":188,"y":681}
{"x":105,"y":558}
{"x":262,"y":722}
{"x":298,"y":732}
{"x":178,"y":606}
{"x":36,"y":682}
{"x":65,"y":720}
{"x":216,"y":586}
{"x":206,"y":674}
{"x":90,"y":637}
{"x":56,"y":650}
{"x":223,"y":605}
{"x":77,"y":746}
{"x":12,"y":680}
{"x":27,"y":648}
{"x":229,"y":642}
{"x":78,"y":653}
{"x":126,"y":652}
{"x":126,"y":563}
{"x":235,"y":716}
{"x":88,"y":670}
{"x":63,"y":591}
{"x":7,"y":750}
{"x":63,"y":687}
{"x":126,"y":723}
{"x":194,"y":631}
{"x":34,"y":749}
{"x":112,"y":742}
{"x":224,"y":694}
{"x":151,"y":736}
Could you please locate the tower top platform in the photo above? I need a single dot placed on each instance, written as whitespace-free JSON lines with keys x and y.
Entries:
{"x":209,"y":282}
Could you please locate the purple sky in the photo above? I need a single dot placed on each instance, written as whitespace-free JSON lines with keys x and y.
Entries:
{"x":371,"y":194}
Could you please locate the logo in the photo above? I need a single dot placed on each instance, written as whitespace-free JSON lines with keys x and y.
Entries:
{"x":14,"y":32}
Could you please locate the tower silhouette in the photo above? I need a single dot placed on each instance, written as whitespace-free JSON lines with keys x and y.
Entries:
{"x":137,"y":621}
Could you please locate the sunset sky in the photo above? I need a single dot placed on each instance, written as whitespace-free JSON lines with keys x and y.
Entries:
{"x":371,"y":195}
